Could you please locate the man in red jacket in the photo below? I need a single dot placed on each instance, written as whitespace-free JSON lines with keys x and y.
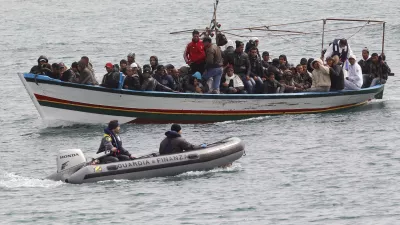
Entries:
{"x":194,"y":54}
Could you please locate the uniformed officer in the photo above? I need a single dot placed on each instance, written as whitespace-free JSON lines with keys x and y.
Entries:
{"x":111,"y":144}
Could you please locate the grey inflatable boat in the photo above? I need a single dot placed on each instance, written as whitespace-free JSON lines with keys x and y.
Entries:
{"x":73,"y":168}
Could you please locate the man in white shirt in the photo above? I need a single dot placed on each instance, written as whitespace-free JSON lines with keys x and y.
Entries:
{"x":354,"y":79}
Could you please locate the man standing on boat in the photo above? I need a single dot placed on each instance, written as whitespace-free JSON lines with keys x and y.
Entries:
{"x":111,"y":144}
{"x":194,"y":54}
{"x":213,"y":66}
{"x":339,"y":47}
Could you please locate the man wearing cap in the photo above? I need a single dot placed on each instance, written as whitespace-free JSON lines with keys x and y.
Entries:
{"x":111,"y":145}
{"x":42,"y":67}
{"x":131,"y":59}
{"x":339,"y":47}
{"x":111,"y":78}
{"x":175,"y":143}
{"x":194,"y":54}
{"x":354,"y":79}
{"x":132,"y":79}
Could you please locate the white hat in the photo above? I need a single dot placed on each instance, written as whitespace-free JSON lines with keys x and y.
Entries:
{"x":133,"y":65}
{"x":132,"y":54}
{"x":352,"y":57}
{"x":254,"y":39}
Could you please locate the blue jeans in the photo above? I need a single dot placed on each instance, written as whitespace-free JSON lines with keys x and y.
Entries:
{"x":377,"y":81}
{"x":216,"y":74}
{"x":249,"y":85}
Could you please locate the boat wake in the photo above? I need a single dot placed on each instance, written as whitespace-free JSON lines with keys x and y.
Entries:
{"x":236,"y":167}
{"x":254,"y":119}
{"x":12,"y":181}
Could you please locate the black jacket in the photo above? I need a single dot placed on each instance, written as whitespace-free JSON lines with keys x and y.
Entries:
{"x":174,"y":143}
{"x":109,"y":141}
{"x":337,"y":77}
{"x":132,"y":83}
{"x":111,"y":80}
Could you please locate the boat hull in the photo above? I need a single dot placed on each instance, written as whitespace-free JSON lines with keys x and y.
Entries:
{"x":92,"y":104}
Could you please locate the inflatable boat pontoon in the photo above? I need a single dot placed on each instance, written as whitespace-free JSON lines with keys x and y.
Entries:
{"x":73,"y":168}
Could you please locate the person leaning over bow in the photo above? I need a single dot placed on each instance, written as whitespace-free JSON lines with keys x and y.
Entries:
{"x":111,"y":145}
{"x":175,"y":143}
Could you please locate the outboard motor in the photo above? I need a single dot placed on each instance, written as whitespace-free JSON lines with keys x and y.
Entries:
{"x":68,"y":162}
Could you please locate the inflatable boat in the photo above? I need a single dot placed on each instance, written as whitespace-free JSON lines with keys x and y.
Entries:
{"x":72,"y":166}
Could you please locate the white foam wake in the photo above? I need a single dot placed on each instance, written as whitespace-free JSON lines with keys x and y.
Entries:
{"x":11,"y":181}
{"x":233,"y":168}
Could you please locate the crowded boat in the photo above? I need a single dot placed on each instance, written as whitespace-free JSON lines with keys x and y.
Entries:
{"x":232,"y":68}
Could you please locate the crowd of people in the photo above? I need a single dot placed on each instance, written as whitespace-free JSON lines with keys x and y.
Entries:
{"x":237,"y":69}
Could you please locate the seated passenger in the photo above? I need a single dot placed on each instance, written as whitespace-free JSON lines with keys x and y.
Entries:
{"x":302,"y":77}
{"x":132,"y":79}
{"x":231,"y":83}
{"x":379,"y":70}
{"x":153,"y":63}
{"x":167,"y":79}
{"x":56,"y":71}
{"x":150,"y":83}
{"x":63,"y":68}
{"x":175,"y":143}
{"x":274,"y":68}
{"x":178,"y":80}
{"x":321,"y":80}
{"x":266,"y":61}
{"x":111,"y":145}
{"x":289,"y":83}
{"x":123,"y":65}
{"x":42,"y":67}
{"x":354,"y":79}
{"x":197,"y":84}
{"x":111,"y":78}
{"x":72,"y":74}
{"x":272,"y":86}
{"x":256,"y":71}
{"x":86,"y":76}
{"x":283,"y":62}
{"x":336,"y":73}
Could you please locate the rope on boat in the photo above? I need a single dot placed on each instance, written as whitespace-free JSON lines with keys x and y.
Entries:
{"x":359,"y":30}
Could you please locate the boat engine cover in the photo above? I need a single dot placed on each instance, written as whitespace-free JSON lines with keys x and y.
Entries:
{"x":69,"y":158}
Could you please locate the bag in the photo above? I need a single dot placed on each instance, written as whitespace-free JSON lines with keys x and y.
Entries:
{"x":221,"y":39}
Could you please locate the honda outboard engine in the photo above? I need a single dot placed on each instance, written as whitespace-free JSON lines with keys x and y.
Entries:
{"x":68,"y":162}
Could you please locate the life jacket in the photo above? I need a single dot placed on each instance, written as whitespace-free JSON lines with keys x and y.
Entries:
{"x":335,"y":47}
{"x":115,"y":141}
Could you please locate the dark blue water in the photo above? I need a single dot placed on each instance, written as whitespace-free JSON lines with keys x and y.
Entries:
{"x":340,"y":168}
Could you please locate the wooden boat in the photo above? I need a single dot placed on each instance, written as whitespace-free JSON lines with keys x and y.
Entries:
{"x":57,"y":100}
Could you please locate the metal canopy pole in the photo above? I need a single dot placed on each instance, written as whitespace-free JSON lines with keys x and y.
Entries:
{"x":383,"y":37}
{"x":323,"y":35}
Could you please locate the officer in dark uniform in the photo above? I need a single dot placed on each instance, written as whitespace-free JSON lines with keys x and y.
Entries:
{"x":111,"y":145}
